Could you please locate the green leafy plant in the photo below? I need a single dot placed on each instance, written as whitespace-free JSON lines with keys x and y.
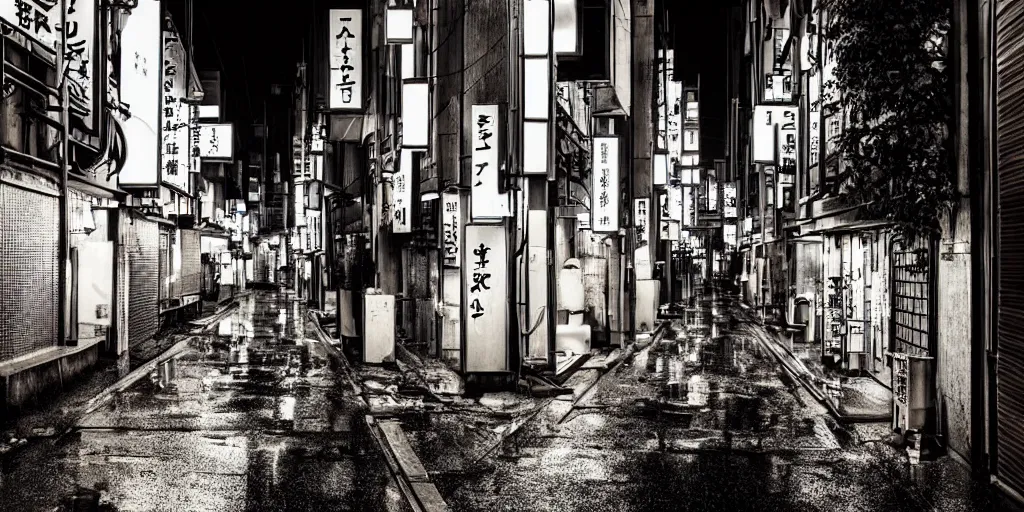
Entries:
{"x":891,"y":71}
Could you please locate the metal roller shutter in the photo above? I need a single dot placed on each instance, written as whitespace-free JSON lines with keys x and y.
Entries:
{"x":1010,"y":176}
{"x":191,"y":262}
{"x":141,"y":238}
{"x":28,"y":271}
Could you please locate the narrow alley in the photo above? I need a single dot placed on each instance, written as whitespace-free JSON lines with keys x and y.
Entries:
{"x":511,"y":255}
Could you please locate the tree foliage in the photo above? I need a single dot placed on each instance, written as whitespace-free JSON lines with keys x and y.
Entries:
{"x":890,"y":69}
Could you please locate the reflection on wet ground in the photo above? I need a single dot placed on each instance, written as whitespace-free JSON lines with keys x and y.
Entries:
{"x":252,"y":421}
{"x":702,"y":420}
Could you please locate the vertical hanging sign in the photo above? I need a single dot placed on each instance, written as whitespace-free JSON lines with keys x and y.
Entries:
{"x":402,"y":194}
{"x":346,"y":59}
{"x":174,"y":113}
{"x":487,"y":203}
{"x":729,"y":200}
{"x":485,"y":284}
{"x":451,"y":226}
{"x":642,"y":219}
{"x":79,"y":66}
{"x":604,"y":190}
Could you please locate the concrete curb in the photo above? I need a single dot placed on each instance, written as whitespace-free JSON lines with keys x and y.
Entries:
{"x":405,"y":466}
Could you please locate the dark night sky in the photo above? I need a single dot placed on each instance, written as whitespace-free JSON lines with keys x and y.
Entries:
{"x":256,"y":46}
{"x":701,"y":44}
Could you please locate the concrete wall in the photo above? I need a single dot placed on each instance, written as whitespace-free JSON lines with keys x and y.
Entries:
{"x":953,"y":372}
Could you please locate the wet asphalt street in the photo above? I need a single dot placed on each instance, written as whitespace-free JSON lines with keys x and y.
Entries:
{"x":703,"y":420}
{"x":253,"y":421}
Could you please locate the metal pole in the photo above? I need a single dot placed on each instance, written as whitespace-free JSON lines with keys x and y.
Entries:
{"x":62,"y":233}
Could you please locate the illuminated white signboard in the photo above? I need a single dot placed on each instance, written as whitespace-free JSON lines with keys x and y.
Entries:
{"x":729,"y":234}
{"x":451,"y":225}
{"x":485,"y":285}
{"x":674,"y":203}
{"x":140,"y":89}
{"x":536,"y":27}
{"x":415,"y":114}
{"x":661,"y":168}
{"x":691,"y":139}
{"x":209,"y":112}
{"x":768,"y":119}
{"x":642,"y":220}
{"x":535,"y":147}
{"x":604,"y":190}
{"x":402,"y":194}
{"x":487,"y":202}
{"x":346,"y":59}
{"x":216,"y":141}
{"x":398,"y":26}
{"x":729,"y":198}
{"x":174,"y":132}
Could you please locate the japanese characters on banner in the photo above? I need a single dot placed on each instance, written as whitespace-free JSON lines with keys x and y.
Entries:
{"x":729,"y":200}
{"x":193,"y":139}
{"x":79,"y":66}
{"x":402,"y":194}
{"x":216,"y":141}
{"x":766,"y":119}
{"x":174,"y":128}
{"x":604,"y":191}
{"x":450,"y":226}
{"x":484,"y":292}
{"x":641,"y":220}
{"x":486,"y":200}
{"x":37,"y":19}
{"x":142,"y":40}
{"x":814,"y":121}
{"x":346,"y":59}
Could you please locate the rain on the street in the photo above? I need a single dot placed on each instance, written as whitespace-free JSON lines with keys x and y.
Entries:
{"x":511,"y":255}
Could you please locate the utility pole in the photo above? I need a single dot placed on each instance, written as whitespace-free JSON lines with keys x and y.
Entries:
{"x":643,"y":105}
{"x":64,"y":250}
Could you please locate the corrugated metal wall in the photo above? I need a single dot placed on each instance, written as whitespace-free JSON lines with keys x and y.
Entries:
{"x":191,"y":262}
{"x":141,"y":238}
{"x":28,"y":271}
{"x":1010,"y":248}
